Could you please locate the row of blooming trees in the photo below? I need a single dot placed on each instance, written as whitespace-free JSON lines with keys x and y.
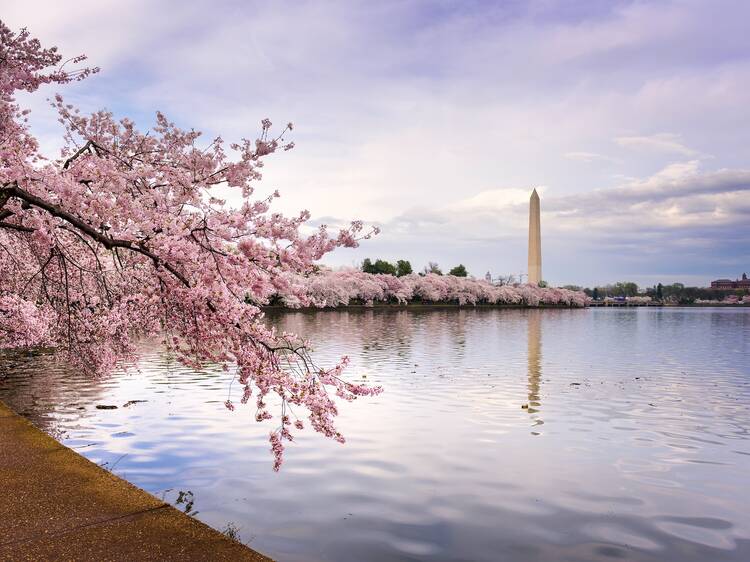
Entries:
{"x":123,"y":236}
{"x":347,"y":286}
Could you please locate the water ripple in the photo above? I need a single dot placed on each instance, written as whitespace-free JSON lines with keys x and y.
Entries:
{"x":502,"y":435}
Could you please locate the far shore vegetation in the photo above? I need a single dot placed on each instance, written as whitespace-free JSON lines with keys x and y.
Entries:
{"x":674,"y":293}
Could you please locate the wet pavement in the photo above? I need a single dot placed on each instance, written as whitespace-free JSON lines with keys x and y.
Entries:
{"x":56,"y":505}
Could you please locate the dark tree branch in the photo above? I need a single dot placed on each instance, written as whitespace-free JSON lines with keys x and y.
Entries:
{"x":12,"y":226}
{"x":103,"y":239}
{"x":88,"y":147}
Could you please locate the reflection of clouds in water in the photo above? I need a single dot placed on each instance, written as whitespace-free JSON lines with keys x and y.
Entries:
{"x":645,"y":445}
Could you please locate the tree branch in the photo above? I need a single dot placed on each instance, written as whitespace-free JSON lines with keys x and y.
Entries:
{"x":103,"y":239}
{"x":12,"y":226}
{"x":90,"y":145}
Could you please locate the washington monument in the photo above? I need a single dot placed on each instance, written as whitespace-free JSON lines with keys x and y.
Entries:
{"x":535,"y":240}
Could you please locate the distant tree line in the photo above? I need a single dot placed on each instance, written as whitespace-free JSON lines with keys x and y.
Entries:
{"x":382,"y":267}
{"x":676,"y":292}
{"x":403,"y":267}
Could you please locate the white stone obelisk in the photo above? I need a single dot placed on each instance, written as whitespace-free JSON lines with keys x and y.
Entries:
{"x":535,"y":240}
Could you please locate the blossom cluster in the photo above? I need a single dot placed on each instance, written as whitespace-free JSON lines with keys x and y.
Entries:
{"x":22,"y":324}
{"x":639,"y":300}
{"x":349,"y":286}
{"x":126,"y":236}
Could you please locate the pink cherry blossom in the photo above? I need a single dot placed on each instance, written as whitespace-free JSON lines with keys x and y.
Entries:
{"x":124,"y":236}
{"x":351,"y":286}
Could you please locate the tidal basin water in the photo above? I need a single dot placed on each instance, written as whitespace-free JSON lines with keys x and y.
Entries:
{"x":502,"y":435}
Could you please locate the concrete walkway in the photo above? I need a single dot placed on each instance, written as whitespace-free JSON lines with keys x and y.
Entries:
{"x":56,"y":505}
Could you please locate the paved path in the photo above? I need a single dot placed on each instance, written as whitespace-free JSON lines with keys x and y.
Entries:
{"x":56,"y":505}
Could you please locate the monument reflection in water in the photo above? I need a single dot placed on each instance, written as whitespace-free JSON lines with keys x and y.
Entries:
{"x":643,"y":454}
{"x":535,"y":365}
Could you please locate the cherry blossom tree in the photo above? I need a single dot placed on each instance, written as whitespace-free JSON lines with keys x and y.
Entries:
{"x":125,"y":236}
{"x":348,"y":286}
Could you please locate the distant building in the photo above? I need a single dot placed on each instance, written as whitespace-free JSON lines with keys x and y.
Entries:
{"x":743,"y":283}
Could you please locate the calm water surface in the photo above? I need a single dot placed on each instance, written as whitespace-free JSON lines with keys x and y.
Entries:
{"x":502,"y":435}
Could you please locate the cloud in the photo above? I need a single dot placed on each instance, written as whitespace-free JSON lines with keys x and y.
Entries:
{"x":679,"y":180}
{"x":677,"y":197}
{"x":680,"y":217}
{"x":588,"y":157}
{"x":411,"y":114}
{"x":494,"y":199}
{"x":662,"y":142}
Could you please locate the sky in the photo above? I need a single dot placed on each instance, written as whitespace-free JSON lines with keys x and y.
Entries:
{"x":434,"y":120}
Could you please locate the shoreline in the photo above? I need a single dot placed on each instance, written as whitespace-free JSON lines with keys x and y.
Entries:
{"x":58,"y":505}
{"x":426,"y":306}
{"x":412,"y":306}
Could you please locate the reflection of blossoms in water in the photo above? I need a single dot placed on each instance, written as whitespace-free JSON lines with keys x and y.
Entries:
{"x":31,"y":384}
{"x":340,"y":288}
